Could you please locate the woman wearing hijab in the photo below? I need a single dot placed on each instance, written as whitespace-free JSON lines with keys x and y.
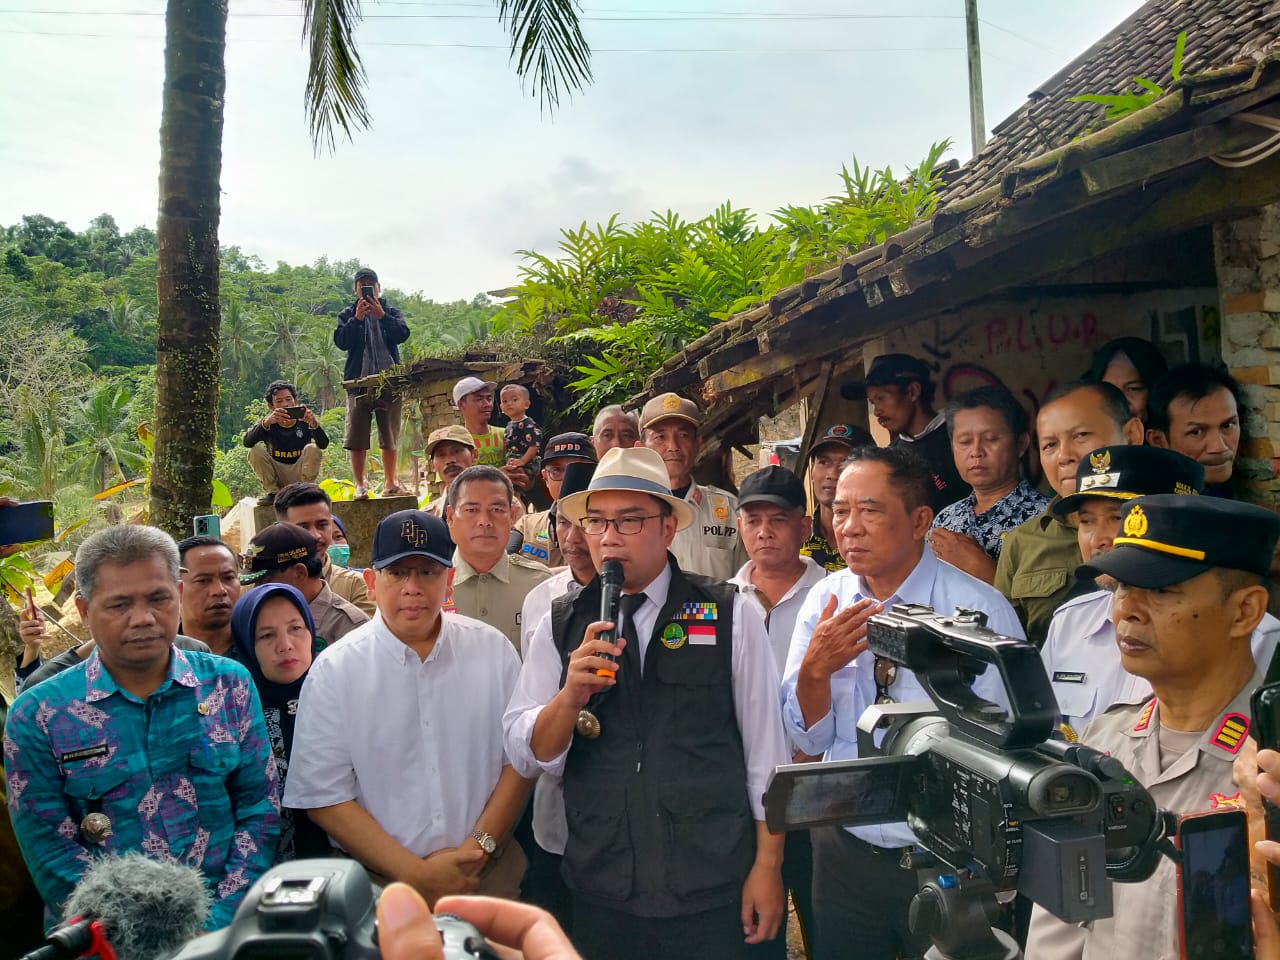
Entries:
{"x":273,"y":630}
{"x":1131,"y":364}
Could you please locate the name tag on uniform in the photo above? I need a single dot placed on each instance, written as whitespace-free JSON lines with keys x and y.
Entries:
{"x":702,"y":634}
{"x":85,"y":753}
{"x":1068,"y":676}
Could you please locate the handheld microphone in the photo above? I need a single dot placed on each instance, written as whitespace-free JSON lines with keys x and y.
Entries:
{"x":143,"y":909}
{"x":610,"y":598}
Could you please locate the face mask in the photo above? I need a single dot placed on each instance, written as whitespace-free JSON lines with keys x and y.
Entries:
{"x":339,"y":553}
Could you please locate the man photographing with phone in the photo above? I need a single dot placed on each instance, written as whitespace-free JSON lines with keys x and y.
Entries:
{"x":370,"y":331}
{"x":285,"y":446}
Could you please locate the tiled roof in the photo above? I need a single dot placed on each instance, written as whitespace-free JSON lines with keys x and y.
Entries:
{"x":1219,"y":33}
{"x":1029,"y":194}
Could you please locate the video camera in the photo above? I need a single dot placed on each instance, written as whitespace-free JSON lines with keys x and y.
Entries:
{"x":318,"y":910}
{"x":985,"y":790}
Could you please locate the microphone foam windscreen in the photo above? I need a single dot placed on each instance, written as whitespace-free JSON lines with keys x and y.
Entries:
{"x":149,"y":908}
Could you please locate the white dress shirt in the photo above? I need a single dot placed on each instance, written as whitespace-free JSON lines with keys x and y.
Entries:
{"x":853,"y":686}
{"x":780,"y":619}
{"x":550,"y":828}
{"x":1084,"y":666}
{"x":755,"y":690}
{"x":537,"y":603}
{"x":417,"y":743}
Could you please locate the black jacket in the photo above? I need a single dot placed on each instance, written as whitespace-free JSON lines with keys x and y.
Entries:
{"x":349,"y":336}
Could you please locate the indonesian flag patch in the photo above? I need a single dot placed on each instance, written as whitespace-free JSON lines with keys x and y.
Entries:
{"x":702,"y":634}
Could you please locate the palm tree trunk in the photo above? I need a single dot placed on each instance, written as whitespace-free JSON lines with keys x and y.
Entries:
{"x":186,"y":420}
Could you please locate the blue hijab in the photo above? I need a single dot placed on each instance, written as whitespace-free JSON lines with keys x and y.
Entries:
{"x":244,"y":620}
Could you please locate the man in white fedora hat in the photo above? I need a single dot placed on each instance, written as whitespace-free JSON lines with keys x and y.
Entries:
{"x":667,"y":851}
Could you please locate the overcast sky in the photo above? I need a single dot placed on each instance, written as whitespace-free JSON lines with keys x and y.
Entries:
{"x":694,"y":102}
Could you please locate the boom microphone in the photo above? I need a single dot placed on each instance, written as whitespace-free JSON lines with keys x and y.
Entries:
{"x":146,"y":908}
{"x":610,"y":597}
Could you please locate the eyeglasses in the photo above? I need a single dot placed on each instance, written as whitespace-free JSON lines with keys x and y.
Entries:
{"x":886,"y":672}
{"x":627,"y":526}
{"x":554,"y":473}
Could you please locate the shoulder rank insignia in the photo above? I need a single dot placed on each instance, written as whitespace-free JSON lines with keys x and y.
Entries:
{"x":1220,"y":801}
{"x":1231,"y":732}
{"x":696,"y":611}
{"x":1144,"y":718}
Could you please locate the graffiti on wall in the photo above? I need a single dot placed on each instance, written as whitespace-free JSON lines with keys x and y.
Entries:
{"x":1031,"y":346}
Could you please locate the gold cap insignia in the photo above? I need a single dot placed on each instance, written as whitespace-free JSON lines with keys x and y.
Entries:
{"x":1101,"y":461}
{"x":671,"y":402}
{"x":1135,"y":524}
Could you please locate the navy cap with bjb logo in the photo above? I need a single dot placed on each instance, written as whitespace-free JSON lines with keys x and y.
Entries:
{"x":411,"y":533}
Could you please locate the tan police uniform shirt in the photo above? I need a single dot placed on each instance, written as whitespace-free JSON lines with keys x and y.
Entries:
{"x":710,"y":545}
{"x":497,"y":596}
{"x":535,"y":528}
{"x":334,"y":617}
{"x":349,"y":585}
{"x":1144,"y":922}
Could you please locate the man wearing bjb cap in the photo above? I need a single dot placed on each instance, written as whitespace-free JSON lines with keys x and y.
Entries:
{"x":398,"y":744}
{"x":1191,"y":574}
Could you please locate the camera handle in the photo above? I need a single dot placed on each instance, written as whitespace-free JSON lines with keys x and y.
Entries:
{"x":953,"y":912}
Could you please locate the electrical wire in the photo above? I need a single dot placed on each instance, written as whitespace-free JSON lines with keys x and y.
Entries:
{"x":1259,"y":151}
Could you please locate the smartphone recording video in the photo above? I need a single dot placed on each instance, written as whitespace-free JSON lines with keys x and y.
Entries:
{"x":1213,"y":886}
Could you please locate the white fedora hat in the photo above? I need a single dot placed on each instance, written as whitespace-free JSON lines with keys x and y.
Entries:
{"x":628,"y":470}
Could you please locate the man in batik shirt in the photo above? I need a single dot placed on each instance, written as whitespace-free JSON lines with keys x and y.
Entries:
{"x":142,"y":747}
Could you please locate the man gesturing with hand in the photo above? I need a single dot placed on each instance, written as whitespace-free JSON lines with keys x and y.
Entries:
{"x":880,"y":516}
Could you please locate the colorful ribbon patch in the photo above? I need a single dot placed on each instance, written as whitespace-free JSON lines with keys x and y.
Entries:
{"x":696,"y":611}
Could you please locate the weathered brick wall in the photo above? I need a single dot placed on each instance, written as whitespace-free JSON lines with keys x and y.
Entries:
{"x":1247,"y":254}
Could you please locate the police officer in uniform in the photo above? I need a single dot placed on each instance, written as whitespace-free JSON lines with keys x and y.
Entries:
{"x":710,"y":544}
{"x":1080,"y":654}
{"x":1191,"y":574}
{"x":667,"y":853}
{"x":538,"y":540}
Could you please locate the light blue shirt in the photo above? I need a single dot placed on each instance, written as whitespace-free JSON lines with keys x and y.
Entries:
{"x":853,"y":686}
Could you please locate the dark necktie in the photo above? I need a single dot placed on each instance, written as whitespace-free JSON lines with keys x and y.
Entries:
{"x":631,"y":603}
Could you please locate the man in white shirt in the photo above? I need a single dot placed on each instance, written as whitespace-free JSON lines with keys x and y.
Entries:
{"x":881,"y":515}
{"x":773,"y":526}
{"x":397,"y":751}
{"x":544,"y":885}
{"x":709,"y":545}
{"x":777,"y":578}
{"x":667,"y":851}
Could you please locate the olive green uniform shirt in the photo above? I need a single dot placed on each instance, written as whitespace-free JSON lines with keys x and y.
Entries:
{"x":1144,"y":922}
{"x":349,"y":585}
{"x":497,"y":596}
{"x":535,"y":528}
{"x":1037,"y":570}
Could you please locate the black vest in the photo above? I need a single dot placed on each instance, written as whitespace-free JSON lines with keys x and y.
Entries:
{"x":660,"y":824}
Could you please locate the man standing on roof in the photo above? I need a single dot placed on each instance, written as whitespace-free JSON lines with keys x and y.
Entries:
{"x":710,"y":545}
{"x":900,"y":390}
{"x":370,"y":331}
